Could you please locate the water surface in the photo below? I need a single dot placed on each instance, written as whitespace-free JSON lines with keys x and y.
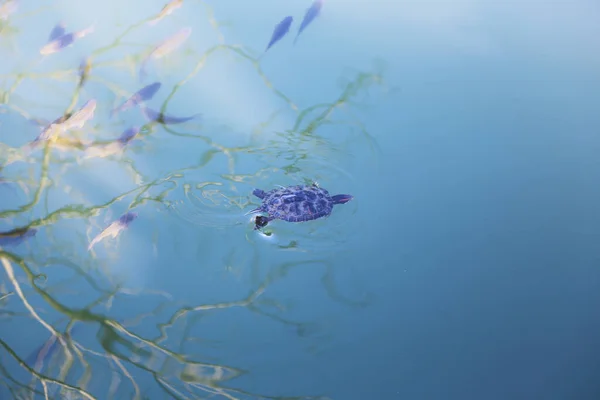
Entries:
{"x":465,"y":267}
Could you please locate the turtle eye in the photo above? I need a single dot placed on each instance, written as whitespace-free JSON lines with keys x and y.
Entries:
{"x":261,"y":221}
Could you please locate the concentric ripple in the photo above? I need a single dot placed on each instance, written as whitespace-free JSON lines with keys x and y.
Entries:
{"x":207,"y":204}
{"x":223,"y":203}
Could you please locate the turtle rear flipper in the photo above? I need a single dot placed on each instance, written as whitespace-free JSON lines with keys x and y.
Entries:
{"x":341,"y":198}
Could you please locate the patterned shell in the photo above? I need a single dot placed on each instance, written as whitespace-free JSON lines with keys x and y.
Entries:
{"x":297,"y":203}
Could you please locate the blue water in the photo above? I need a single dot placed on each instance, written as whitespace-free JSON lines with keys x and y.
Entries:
{"x":465,"y":267}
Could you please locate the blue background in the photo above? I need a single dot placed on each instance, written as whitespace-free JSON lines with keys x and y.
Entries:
{"x":466,"y":267}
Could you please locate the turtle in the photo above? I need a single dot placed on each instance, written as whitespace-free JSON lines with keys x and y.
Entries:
{"x":297,"y":203}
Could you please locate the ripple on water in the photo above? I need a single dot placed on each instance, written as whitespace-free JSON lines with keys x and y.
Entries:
{"x":223,"y":203}
{"x":207,"y":204}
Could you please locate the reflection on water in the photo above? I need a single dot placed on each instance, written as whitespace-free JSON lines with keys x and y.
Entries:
{"x":155,"y":159}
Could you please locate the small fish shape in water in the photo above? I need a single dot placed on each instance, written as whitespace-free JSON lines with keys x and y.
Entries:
{"x":8,"y":8}
{"x":63,"y":41}
{"x":84,"y":114}
{"x":57,"y":32}
{"x":38,"y":357}
{"x":112,"y":148}
{"x":114,"y":229}
{"x":171,"y":43}
{"x":66,"y":122}
{"x":161,"y":118}
{"x":128,"y":135}
{"x":52,"y":129}
{"x":5,"y":296}
{"x":144,"y":94}
{"x":281,"y":29}
{"x":311,"y":13}
{"x":167,"y":46}
{"x":16,"y":236}
{"x":166,"y":10}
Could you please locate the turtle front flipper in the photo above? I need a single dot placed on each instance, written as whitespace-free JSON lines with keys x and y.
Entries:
{"x":259,"y":193}
{"x":259,"y":209}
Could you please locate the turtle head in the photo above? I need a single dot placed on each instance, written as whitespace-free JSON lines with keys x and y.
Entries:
{"x":261,"y":222}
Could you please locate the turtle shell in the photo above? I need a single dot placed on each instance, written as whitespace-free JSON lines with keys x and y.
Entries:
{"x":297,"y":203}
